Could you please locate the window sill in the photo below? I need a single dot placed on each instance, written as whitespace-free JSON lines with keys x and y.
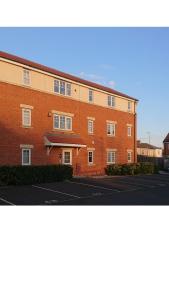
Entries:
{"x":63,"y":130}
{"x":109,"y":135}
{"x":24,"y":126}
{"x":111,"y":163}
{"x":91,"y":165}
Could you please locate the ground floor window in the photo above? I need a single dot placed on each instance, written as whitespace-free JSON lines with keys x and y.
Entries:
{"x":129,"y":156}
{"x":111,"y":157}
{"x":26,"y":157}
{"x":90,"y":157}
{"x":67,"y":157}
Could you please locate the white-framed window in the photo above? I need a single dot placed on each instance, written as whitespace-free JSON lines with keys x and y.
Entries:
{"x":90,"y":96}
{"x":90,"y":126}
{"x":129,"y":105}
{"x":111,"y":129}
{"x":26,"y":157}
{"x":90,"y":157}
{"x":62,"y":122}
{"x":111,"y":101}
{"x":129,"y":156}
{"x":67,"y":157}
{"x":62,"y":87}
{"x":26,"y":77}
{"x":26,"y":117}
{"x":128,"y":130}
{"x":111,"y":157}
{"x":68,"y":89}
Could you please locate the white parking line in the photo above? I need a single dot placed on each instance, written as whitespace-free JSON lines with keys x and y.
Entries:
{"x":7,"y":201}
{"x":54,"y":191}
{"x":95,"y":186}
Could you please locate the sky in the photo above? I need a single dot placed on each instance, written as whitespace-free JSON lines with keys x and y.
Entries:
{"x":132,"y":60}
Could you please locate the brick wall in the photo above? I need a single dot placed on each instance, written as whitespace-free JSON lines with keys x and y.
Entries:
{"x":12,"y":134}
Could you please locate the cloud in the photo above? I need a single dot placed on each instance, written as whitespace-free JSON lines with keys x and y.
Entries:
{"x":91,"y":76}
{"x":111,"y":83}
{"x":106,"y":66}
{"x":97,"y":78}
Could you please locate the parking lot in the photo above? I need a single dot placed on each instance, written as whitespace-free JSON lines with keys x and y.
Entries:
{"x":120,"y":190}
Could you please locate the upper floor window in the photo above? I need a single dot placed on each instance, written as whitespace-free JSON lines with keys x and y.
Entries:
{"x":26,"y":157}
{"x":111,"y":129}
{"x":90,"y":95}
{"x":111,"y":101}
{"x":129,"y":105}
{"x":128,"y":130}
{"x":111,"y":157}
{"x":26,"y":77}
{"x":90,"y":126}
{"x":62,"y":122}
{"x":26,"y":117}
{"x":62,"y":87}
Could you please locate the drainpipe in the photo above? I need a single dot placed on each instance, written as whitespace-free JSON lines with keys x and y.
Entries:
{"x":135,"y":134}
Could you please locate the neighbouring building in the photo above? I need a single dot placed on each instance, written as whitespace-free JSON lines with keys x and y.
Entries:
{"x":166,"y":152}
{"x":50,"y":117}
{"x":148,"y":150}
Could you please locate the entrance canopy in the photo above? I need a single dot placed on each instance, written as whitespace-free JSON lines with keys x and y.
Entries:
{"x":64,"y":140}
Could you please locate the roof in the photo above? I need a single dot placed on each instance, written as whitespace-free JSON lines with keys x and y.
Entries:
{"x":67,"y":140}
{"x":166,"y":140}
{"x":146,"y":145}
{"x":61,"y":74}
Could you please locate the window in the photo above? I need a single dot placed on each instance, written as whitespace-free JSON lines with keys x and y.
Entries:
{"x":111,"y":101}
{"x":129,"y":156}
{"x":68,"y":89}
{"x":26,"y":77}
{"x":111,"y":129}
{"x":111,"y":157}
{"x":62,"y":122}
{"x":128,"y":130}
{"x":90,"y":126}
{"x":26,"y":117}
{"x":67,"y":157}
{"x":129,"y":105}
{"x":90,"y":95}
{"x":56,"y":86}
{"x":90,"y":157}
{"x":26,"y":157}
{"x":62,"y":87}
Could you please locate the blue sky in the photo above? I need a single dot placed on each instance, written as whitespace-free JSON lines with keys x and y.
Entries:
{"x":132,"y":60}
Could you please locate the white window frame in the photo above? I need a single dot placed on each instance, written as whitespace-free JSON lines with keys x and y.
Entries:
{"x":91,"y":96}
{"x":90,"y":129}
{"x":111,"y":101}
{"x":23,"y":117}
{"x":112,"y":129}
{"x":112,"y":161}
{"x":129,"y":130}
{"x":90,"y":163}
{"x":29,"y":150}
{"x":26,"y":78}
{"x":129,"y":152}
{"x":66,"y":117}
{"x":67,"y":84}
{"x":129,"y":105}
{"x":63,"y":156}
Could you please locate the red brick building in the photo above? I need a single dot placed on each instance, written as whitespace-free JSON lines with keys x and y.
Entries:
{"x":50,"y":117}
